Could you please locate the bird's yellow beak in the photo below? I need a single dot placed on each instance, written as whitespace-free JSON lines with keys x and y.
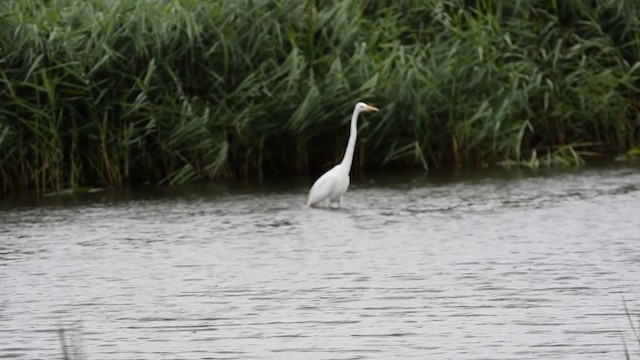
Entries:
{"x":372,"y":108}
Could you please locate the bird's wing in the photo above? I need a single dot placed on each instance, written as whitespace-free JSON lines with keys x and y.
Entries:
{"x":322,"y":188}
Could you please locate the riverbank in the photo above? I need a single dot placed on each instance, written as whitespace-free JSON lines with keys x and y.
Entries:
{"x":107,"y":93}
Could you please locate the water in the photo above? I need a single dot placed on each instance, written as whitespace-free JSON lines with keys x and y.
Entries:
{"x":498,"y":266}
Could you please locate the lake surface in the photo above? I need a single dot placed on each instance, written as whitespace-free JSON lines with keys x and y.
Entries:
{"x":497,"y":265}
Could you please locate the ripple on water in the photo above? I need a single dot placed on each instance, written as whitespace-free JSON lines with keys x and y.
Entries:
{"x":532,"y":267}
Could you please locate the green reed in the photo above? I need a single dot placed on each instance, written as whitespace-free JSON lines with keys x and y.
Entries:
{"x":110,"y":92}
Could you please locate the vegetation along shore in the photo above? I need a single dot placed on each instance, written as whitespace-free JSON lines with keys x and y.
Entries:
{"x":115,"y":92}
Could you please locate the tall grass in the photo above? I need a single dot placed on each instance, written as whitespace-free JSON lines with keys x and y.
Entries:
{"x":111,"y":92}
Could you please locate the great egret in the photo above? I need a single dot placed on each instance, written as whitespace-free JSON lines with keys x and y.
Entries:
{"x":334,"y":183}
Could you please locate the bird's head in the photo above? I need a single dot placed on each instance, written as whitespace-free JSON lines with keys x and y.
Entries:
{"x":365,"y":107}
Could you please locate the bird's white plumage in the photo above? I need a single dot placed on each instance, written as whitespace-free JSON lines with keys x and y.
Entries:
{"x":332,"y":185}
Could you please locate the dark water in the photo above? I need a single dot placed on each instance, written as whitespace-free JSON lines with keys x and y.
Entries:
{"x":464,"y":267}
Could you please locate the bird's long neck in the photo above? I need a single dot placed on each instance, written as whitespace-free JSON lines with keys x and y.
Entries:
{"x":351,"y":145}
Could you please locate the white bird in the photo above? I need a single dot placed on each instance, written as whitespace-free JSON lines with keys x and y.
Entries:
{"x":331,"y":186}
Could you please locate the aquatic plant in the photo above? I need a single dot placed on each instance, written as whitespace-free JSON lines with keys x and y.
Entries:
{"x":110,"y":92}
{"x":635,"y":331}
{"x":71,"y":349}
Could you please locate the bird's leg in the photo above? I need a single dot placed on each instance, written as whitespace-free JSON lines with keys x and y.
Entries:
{"x":340,"y":202}
{"x":331,"y":203}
